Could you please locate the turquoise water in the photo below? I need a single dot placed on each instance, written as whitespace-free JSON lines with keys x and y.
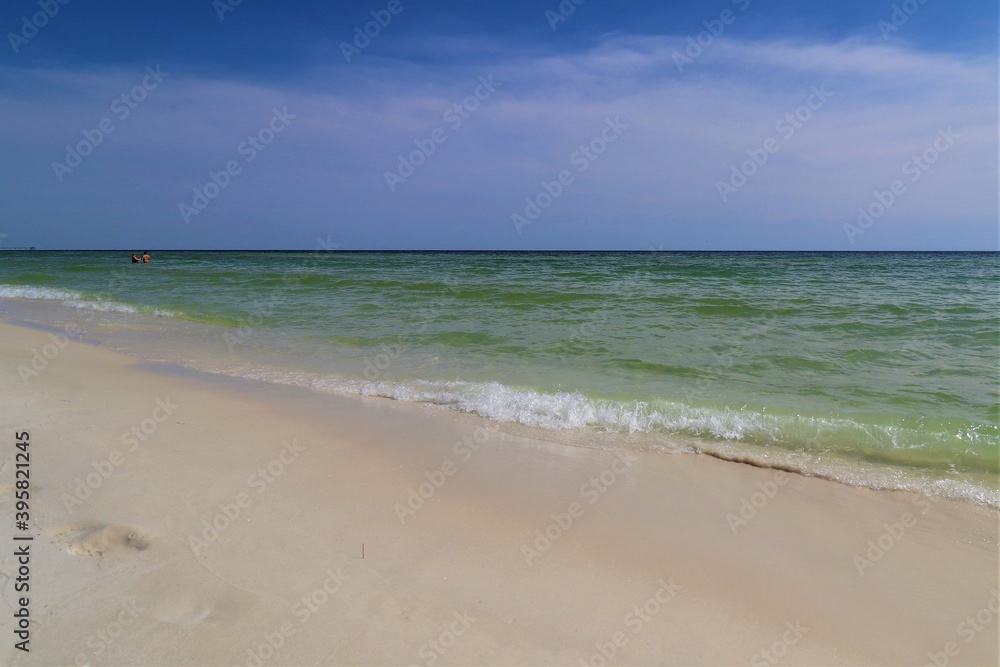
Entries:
{"x":877,"y":369}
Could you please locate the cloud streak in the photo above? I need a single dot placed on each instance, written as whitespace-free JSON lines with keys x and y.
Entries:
{"x":655,"y":186}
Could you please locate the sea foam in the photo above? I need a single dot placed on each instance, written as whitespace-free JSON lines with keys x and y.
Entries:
{"x":76,"y":300}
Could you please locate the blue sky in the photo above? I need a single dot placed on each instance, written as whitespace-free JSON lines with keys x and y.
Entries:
{"x":732,"y":124}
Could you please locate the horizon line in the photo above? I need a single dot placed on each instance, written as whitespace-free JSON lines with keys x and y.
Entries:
{"x":489,"y":250}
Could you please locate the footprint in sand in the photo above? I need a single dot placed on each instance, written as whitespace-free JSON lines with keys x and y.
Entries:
{"x":211,"y":603}
{"x":182,"y":611}
{"x":104,"y":539}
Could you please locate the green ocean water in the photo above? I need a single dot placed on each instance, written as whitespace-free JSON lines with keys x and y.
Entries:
{"x":876,"y":369}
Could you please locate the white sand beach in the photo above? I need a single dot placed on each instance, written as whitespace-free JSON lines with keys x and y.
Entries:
{"x":185,"y":519}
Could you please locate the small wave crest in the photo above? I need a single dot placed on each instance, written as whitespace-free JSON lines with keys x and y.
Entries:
{"x":566,"y":410}
{"x":43,"y":293}
{"x":806,"y":445}
{"x":76,"y":300}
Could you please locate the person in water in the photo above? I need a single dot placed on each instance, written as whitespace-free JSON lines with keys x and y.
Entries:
{"x":145,"y":257}
{"x":135,"y":260}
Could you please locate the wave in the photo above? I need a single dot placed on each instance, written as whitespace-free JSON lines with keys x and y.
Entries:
{"x":885,"y":456}
{"x":568,"y":410}
{"x":75,"y":299}
{"x":45,"y":293}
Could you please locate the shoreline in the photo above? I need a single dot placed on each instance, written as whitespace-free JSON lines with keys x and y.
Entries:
{"x":357,"y":530}
{"x":159,"y":338}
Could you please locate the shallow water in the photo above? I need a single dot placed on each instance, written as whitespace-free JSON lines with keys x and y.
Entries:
{"x":878,"y":369}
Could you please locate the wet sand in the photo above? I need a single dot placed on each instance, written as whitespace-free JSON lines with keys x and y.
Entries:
{"x":181,"y":518}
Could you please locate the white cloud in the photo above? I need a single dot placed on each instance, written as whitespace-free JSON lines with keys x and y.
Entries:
{"x":686,"y":130}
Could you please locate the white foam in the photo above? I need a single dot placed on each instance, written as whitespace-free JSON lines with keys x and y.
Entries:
{"x":738,"y":435}
{"x":565,"y":410}
{"x":44,"y":293}
{"x":101,"y":306}
{"x":75,"y":300}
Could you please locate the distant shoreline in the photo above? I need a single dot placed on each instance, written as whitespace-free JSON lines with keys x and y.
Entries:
{"x":527,"y":252}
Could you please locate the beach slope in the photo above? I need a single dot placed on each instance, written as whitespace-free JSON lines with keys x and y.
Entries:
{"x":180,"y":518}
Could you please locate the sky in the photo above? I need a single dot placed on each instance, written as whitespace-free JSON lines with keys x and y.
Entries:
{"x":418,"y":124}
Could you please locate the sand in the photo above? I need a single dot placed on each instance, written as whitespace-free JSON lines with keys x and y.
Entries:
{"x":181,"y":518}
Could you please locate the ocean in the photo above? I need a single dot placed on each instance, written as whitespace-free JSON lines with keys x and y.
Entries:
{"x":872,"y":369}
